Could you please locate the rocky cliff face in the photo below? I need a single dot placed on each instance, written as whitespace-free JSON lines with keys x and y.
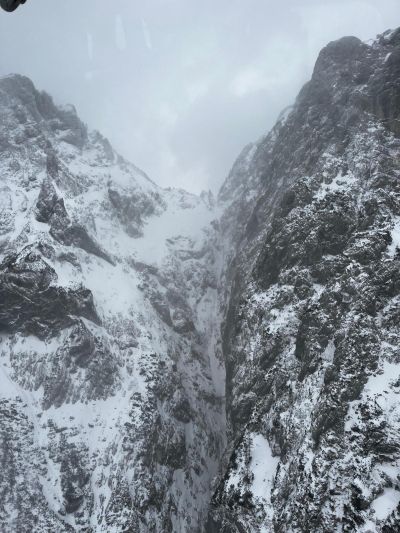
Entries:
{"x":175,"y":363}
{"x":311,"y":333}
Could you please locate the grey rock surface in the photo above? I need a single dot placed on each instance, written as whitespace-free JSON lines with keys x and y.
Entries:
{"x":310,"y":339}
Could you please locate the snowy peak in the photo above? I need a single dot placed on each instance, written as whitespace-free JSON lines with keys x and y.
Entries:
{"x":23,"y":107}
{"x":337,"y":56}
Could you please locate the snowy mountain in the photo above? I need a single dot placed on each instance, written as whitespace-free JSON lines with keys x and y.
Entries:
{"x":179,"y":363}
{"x":311,"y":332}
{"x":112,"y":408}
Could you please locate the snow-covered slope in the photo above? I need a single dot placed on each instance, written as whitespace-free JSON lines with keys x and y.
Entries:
{"x":179,"y":363}
{"x":112,"y":408}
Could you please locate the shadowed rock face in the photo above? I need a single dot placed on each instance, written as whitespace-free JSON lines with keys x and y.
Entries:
{"x":311,"y":329}
{"x":50,"y":209}
{"x":31,"y":303}
{"x":133,"y":209}
{"x":122,"y":305}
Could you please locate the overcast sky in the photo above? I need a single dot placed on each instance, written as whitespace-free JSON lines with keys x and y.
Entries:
{"x":180,"y":86}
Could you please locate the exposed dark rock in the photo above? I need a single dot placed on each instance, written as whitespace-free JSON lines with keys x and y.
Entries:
{"x":47,"y":202}
{"x":30,"y":301}
{"x":50,"y":208}
{"x":76,"y":235}
{"x":160,"y":304}
{"x":132,"y":209}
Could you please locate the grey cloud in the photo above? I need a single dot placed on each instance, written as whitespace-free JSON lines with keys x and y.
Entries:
{"x":180,"y":86}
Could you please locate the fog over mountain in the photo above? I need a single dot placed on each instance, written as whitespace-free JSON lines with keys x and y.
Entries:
{"x":180,"y":86}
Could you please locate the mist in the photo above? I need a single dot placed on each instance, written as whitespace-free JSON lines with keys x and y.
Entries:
{"x":178,"y":86}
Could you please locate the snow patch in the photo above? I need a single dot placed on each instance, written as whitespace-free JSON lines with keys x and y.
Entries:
{"x":263,"y":465}
{"x":386,"y":503}
{"x":338,"y":184}
{"x":395,"y":234}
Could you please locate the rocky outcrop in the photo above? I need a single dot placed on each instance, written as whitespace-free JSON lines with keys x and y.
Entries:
{"x":50,"y":208}
{"x":133,"y":208}
{"x":31,"y":302}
